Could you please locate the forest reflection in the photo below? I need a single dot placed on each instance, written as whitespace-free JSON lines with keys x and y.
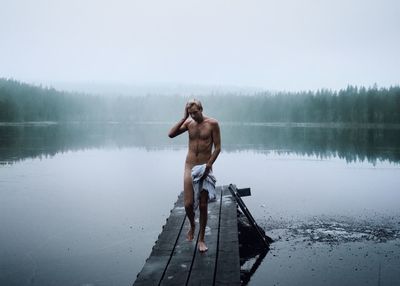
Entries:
{"x":19,"y":142}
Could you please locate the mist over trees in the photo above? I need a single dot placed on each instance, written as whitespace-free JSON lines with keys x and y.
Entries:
{"x":20,"y":102}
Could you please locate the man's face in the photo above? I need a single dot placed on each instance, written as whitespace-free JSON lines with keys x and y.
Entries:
{"x":195,"y":113}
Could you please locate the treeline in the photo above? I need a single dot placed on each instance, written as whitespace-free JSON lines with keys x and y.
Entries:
{"x":21,"y":102}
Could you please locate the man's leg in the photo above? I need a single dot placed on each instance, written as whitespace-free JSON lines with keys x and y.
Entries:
{"x":203,"y":219}
{"x":188,"y":200}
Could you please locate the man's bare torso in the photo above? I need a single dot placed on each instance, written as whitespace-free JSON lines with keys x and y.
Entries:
{"x":200,"y":141}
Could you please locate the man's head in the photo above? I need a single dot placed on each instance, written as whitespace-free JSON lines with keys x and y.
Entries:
{"x":195,"y":110}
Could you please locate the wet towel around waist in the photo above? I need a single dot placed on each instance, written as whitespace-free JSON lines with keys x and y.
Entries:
{"x":207,"y":184}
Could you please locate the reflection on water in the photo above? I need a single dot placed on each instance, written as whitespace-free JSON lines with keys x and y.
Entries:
{"x":252,"y":251}
{"x":351,"y":144}
{"x":91,"y":216}
{"x":84,"y":218}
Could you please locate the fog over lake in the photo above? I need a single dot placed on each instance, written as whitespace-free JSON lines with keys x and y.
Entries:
{"x":307,"y":95}
{"x":83,"y":204}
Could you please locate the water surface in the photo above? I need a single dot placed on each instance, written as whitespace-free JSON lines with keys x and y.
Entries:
{"x":83,"y":204}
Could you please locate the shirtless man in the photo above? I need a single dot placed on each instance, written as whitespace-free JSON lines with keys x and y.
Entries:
{"x":204,"y":133}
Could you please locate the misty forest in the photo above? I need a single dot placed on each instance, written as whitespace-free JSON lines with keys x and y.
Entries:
{"x":245,"y":143}
{"x":20,"y":102}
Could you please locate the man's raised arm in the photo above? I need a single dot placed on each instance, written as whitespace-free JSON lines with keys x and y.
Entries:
{"x":179,"y":127}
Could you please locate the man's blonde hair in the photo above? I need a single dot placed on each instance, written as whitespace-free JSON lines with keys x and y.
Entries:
{"x":195,"y":102}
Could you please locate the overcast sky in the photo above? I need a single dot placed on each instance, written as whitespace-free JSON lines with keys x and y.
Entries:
{"x":276,"y":45}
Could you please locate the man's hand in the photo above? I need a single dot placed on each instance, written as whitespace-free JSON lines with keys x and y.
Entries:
{"x":206,"y":171}
{"x":186,"y":115}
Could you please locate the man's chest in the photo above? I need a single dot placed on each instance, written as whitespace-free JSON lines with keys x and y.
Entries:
{"x":202,"y":132}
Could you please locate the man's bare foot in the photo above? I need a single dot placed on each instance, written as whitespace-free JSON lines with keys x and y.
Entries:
{"x":190,"y":234}
{"x":202,"y":246}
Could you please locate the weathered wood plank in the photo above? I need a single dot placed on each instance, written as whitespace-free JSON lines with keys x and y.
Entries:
{"x":204,"y":263}
{"x":155,"y":265}
{"x":228,"y":263}
{"x":179,"y":267}
{"x":175,"y":261}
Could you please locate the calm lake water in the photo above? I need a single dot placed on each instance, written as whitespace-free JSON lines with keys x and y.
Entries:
{"x":84,"y":204}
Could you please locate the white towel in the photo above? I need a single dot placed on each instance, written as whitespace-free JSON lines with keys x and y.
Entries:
{"x":207,"y":184}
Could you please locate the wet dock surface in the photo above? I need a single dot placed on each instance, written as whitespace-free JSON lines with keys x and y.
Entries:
{"x":176,"y":261}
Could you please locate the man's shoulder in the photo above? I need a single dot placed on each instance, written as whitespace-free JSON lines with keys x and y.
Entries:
{"x":212,"y":121}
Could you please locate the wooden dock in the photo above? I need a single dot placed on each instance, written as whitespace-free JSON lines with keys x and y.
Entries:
{"x":176,"y":261}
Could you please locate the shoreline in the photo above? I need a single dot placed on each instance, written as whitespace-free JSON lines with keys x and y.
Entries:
{"x":332,"y":125}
